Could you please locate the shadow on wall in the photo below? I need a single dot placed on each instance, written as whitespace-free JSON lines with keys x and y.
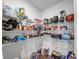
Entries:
{"x":12,"y":51}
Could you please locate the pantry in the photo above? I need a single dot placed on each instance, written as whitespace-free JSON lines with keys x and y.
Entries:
{"x":38,"y":29}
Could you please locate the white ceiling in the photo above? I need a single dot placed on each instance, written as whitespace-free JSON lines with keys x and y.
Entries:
{"x":43,"y":4}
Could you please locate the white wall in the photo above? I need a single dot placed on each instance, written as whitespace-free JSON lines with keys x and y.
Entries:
{"x":12,"y":51}
{"x":66,"y":5}
{"x":31,"y":11}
